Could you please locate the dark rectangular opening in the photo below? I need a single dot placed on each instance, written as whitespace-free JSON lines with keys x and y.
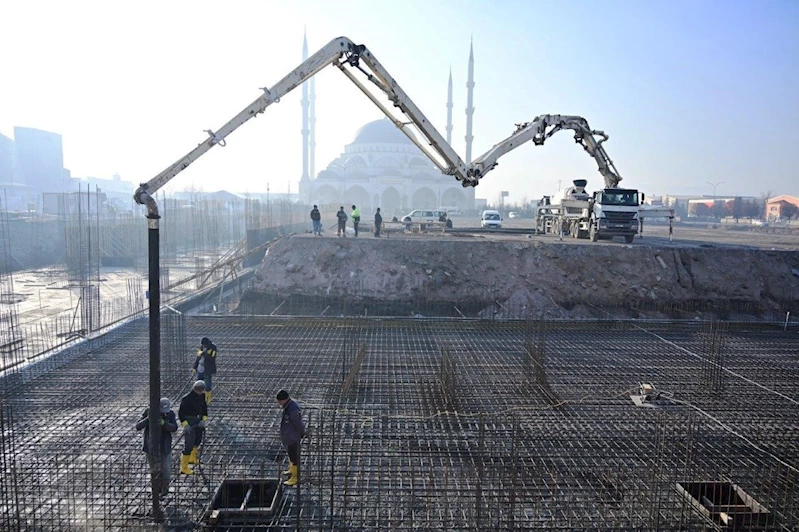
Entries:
{"x":725,"y":503}
{"x":238,"y":501}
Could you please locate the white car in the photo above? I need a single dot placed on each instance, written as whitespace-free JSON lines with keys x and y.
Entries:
{"x":491,"y":219}
{"x":513,"y":214}
{"x":423,"y":215}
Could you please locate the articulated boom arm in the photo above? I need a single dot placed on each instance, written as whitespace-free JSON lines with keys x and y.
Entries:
{"x":348,"y":57}
{"x":345,"y":55}
{"x":539,"y":130}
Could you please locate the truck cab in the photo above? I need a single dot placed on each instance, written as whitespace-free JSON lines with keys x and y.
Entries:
{"x":615,"y":213}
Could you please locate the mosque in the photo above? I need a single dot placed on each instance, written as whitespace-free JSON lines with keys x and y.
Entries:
{"x":381,"y":167}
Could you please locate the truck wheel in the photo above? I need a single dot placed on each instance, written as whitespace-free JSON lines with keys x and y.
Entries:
{"x":629,"y":238}
{"x":592,"y":233}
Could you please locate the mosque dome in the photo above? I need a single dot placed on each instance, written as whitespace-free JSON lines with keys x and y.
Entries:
{"x":381,"y":131}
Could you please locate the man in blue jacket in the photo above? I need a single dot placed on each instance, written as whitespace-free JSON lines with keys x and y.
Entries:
{"x":169,"y":424}
{"x":292,"y":430}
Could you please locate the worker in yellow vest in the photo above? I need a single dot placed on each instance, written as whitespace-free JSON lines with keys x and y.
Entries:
{"x":356,"y":218}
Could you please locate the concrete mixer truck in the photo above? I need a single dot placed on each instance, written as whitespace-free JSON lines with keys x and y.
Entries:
{"x":604,"y":214}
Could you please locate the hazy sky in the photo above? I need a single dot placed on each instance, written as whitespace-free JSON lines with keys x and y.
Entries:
{"x":689,"y":91}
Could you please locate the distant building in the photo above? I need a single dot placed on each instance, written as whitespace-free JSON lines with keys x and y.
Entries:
{"x":782,"y":207}
{"x":40,"y":160}
{"x":381,"y":167}
{"x":722,"y":207}
{"x":7,"y":157}
{"x":119,"y":193}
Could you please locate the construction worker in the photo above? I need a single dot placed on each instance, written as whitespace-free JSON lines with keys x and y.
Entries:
{"x":292,"y":430}
{"x":169,"y":425}
{"x":342,"y":222}
{"x":205,"y":366}
{"x":356,"y":219}
{"x":193,"y":413}
{"x":378,"y":222}
{"x":316,"y":218}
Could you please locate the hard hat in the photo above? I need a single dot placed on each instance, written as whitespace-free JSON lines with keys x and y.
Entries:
{"x":205,"y":341}
{"x":165,"y":406}
{"x":199,"y":385}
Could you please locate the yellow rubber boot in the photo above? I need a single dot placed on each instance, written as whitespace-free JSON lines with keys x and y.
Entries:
{"x":184,"y":465}
{"x":208,"y":397}
{"x":288,"y":471}
{"x":193,"y":456}
{"x":293,"y":480}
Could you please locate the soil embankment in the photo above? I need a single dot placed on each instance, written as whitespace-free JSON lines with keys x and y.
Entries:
{"x":551,"y":279}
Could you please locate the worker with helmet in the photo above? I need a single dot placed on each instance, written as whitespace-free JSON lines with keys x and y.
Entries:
{"x":205,"y":366}
{"x":292,"y":430}
{"x":193,"y":413}
{"x":168,"y":423}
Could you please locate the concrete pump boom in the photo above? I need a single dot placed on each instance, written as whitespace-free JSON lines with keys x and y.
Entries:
{"x":539,"y":130}
{"x":348,"y":57}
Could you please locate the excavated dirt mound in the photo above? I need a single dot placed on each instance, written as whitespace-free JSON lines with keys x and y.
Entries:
{"x":549,"y":279}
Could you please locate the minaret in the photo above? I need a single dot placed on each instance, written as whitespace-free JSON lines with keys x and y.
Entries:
{"x":304,"y":102}
{"x":313,"y":128}
{"x":470,"y":105}
{"x":449,"y":108}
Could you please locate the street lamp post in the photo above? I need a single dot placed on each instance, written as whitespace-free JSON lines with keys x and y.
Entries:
{"x":714,"y":185}
{"x":346,"y":166}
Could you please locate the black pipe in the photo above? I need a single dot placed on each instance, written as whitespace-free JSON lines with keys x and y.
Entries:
{"x":153,"y":255}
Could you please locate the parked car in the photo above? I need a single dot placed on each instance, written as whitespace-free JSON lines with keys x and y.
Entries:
{"x":513,"y":214}
{"x":491,"y":219}
{"x":423,"y":216}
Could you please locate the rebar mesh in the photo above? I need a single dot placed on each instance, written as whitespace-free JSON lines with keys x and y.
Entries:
{"x":439,"y":427}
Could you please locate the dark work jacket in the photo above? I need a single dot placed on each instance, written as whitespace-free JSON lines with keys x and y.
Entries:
{"x":342,"y":216}
{"x":292,"y":428}
{"x":209,"y":359}
{"x":192,"y":406}
{"x":315,"y":216}
{"x":170,"y":425}
{"x":378,"y":219}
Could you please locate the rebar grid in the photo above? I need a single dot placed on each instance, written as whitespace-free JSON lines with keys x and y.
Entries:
{"x":393,"y":454}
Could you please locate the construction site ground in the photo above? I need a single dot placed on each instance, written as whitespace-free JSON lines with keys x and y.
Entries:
{"x":656,"y":233}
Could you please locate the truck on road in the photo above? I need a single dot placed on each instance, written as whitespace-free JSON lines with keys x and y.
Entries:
{"x":605,"y":214}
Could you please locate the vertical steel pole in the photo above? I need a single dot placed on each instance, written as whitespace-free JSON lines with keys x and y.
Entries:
{"x":153,"y":256}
